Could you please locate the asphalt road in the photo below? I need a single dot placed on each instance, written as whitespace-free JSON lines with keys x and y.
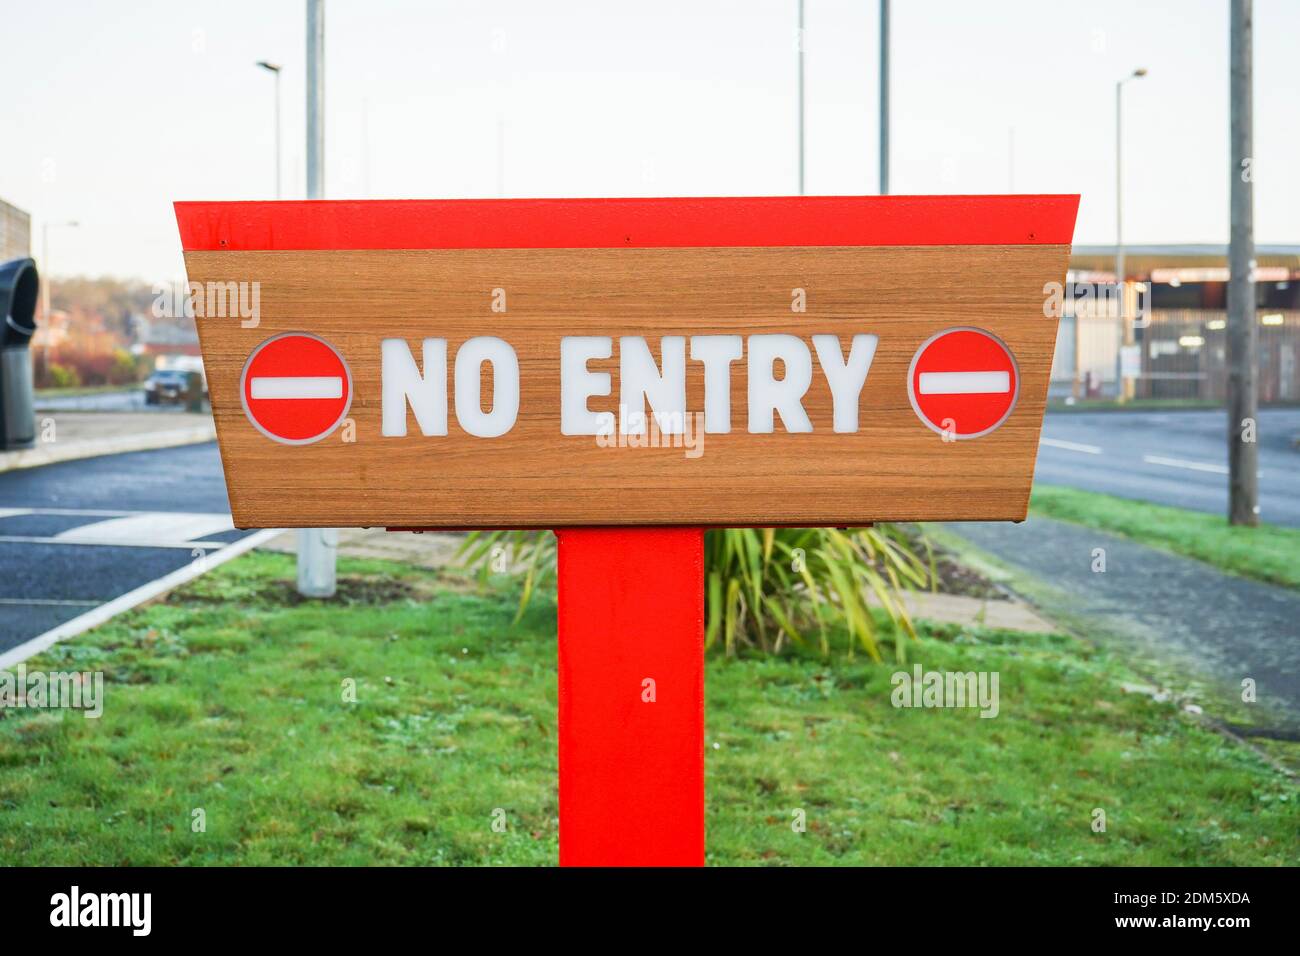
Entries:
{"x":77,"y":534}
{"x":1175,"y":458}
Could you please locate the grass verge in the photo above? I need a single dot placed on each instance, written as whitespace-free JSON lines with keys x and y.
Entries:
{"x":230,"y":699}
{"x":1266,"y":553}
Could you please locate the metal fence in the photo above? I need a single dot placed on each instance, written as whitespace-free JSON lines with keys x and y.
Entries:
{"x":1179,"y":355}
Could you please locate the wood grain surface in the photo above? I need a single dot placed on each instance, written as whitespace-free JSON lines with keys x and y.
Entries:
{"x":893,"y":468}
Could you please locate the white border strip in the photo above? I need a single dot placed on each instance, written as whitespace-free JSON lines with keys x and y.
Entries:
{"x":131,"y":599}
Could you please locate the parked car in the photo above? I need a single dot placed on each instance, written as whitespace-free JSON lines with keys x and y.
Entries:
{"x":167,"y":386}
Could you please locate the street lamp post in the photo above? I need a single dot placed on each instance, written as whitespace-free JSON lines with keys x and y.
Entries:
{"x":884,"y":97}
{"x":48,"y":276}
{"x":1125,"y":386}
{"x":315,"y":99}
{"x":799,"y":41}
{"x":274,"y":68}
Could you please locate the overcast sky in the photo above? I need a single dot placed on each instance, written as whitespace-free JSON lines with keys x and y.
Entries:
{"x":113,"y":110}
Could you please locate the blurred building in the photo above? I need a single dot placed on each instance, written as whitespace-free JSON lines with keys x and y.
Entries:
{"x":1176,"y":348}
{"x":15,"y":233}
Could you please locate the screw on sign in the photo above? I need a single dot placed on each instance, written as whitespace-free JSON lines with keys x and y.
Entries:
{"x":963,"y":383}
{"x":296,"y":388}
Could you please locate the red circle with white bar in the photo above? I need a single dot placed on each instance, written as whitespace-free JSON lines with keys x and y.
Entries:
{"x":963,"y":382}
{"x":296,"y":388}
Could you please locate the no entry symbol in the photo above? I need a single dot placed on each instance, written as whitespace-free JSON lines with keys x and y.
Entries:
{"x":963,"y":382}
{"x":296,"y":388}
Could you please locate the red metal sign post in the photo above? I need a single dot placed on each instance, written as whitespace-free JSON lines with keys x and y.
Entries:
{"x":631,"y":684}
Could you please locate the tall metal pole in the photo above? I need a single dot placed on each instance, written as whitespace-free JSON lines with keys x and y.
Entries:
{"x":1125,"y":314}
{"x":1119,"y":174}
{"x":501,"y":155}
{"x":365,"y":146}
{"x":1126,"y":330}
{"x":317,"y":547}
{"x":1119,"y":188}
{"x":799,"y":41}
{"x":1243,"y":331}
{"x":275,"y":69}
{"x":884,"y":97}
{"x":1011,"y":159}
{"x":47,"y":277}
{"x":315,"y":99}
{"x":45,"y":268}
{"x":278,"y":193}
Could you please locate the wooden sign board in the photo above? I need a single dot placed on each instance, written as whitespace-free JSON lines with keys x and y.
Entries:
{"x":568,"y":363}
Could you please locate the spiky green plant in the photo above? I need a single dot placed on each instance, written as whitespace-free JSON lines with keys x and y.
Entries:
{"x":764,"y":587}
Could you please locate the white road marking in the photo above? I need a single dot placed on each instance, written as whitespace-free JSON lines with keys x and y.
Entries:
{"x":1070,"y":446}
{"x":146,"y":592}
{"x":128,"y":529}
{"x":964,"y":383}
{"x":151,"y":529}
{"x":1184,"y":463}
{"x":307,"y":386}
{"x":37,"y":539}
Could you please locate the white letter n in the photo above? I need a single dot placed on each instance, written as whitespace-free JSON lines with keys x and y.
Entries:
{"x":402,"y":382}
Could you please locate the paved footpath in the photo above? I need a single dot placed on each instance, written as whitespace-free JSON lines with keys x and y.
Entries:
{"x":1162,"y":606}
{"x":66,"y":436}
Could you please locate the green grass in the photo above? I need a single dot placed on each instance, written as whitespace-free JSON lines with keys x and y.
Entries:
{"x":1266,"y":553}
{"x":228,"y":698}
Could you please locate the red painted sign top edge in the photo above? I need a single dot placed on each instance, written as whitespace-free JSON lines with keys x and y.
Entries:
{"x":700,"y":222}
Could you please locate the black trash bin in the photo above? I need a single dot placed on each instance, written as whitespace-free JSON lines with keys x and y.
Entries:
{"x":19,"y":286}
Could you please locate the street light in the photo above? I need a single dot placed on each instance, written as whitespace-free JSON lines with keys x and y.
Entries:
{"x":1125,"y":384}
{"x":275,"y":69}
{"x":48,"y":277}
{"x":45,"y":262}
{"x":799,"y":42}
{"x":1119,"y":176}
{"x":884,"y":97}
